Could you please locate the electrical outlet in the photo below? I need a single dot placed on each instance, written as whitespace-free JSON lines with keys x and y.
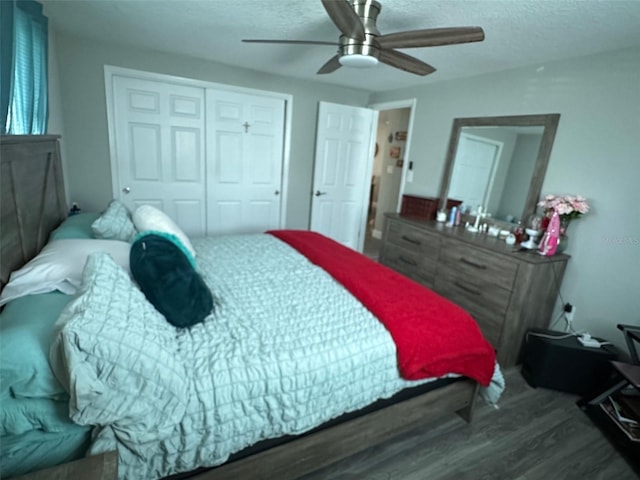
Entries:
{"x":569,"y":312}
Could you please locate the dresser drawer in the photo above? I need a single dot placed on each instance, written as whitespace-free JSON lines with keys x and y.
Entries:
{"x":409,"y":263}
{"x":505,"y":292}
{"x":477,"y":296}
{"x":485,"y":302}
{"x":482,"y":268}
{"x":414,"y":239}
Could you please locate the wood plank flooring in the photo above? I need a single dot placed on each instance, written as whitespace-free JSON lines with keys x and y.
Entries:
{"x":535,"y":434}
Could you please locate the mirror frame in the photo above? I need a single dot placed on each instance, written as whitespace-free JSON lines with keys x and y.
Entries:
{"x":550,"y":124}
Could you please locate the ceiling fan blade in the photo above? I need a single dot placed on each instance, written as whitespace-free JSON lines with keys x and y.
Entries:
{"x":331,"y":66}
{"x":405,"y":62}
{"x":431,"y":37}
{"x":346,"y":19}
{"x":296,"y":42}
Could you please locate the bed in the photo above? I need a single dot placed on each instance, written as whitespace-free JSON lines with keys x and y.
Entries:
{"x":289,"y":373}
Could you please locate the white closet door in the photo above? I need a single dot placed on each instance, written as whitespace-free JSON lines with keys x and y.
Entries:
{"x":245,"y":147}
{"x":159,"y":141}
{"x":342,"y":172}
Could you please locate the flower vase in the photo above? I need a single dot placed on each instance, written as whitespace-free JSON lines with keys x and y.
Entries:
{"x":563,"y":240}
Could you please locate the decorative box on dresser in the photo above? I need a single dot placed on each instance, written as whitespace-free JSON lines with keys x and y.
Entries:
{"x":506,"y":291}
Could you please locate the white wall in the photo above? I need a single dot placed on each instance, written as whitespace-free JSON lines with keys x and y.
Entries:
{"x":81,"y":66}
{"x":596,"y":154}
{"x":55,"y":121}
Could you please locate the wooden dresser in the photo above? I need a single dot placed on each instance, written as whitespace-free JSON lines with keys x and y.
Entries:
{"x":507,"y":292}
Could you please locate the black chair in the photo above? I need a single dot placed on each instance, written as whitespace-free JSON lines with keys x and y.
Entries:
{"x":625,"y":385}
{"x":631,"y":334}
{"x":628,"y":373}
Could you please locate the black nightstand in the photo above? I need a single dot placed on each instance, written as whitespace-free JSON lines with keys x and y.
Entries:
{"x":563,"y":363}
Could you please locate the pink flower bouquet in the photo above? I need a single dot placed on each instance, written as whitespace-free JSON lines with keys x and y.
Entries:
{"x":569,"y":207}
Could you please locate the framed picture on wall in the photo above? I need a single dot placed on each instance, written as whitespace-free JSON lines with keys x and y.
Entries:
{"x":394,"y":152}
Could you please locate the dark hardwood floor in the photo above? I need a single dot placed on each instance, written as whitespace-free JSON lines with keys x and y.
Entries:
{"x":535,"y":434}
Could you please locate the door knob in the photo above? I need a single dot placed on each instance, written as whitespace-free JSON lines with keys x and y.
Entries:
{"x":318,"y":193}
{"x":126,"y":190}
{"x":277,"y":192}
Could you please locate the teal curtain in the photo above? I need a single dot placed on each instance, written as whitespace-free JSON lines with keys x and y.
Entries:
{"x":6,"y":60}
{"x":24,"y":88}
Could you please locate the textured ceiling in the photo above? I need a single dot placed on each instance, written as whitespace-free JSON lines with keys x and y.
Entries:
{"x":518,"y":33}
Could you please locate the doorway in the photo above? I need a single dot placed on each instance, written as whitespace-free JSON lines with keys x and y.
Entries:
{"x":344,"y":146}
{"x":390,"y":164}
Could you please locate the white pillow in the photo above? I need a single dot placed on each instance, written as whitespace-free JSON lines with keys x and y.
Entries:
{"x":59,"y":267}
{"x":147,"y":217}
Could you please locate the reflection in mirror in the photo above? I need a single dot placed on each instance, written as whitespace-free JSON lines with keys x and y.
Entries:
{"x":493,"y":168}
{"x":499,"y":163}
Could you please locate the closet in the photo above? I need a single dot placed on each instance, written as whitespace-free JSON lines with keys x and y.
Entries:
{"x":209,"y":155}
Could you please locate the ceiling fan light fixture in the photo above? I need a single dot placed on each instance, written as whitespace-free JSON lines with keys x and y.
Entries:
{"x":358,"y":60}
{"x":361,"y":44}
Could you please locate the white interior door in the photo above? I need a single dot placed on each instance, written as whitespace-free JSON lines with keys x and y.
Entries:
{"x":159,"y":144}
{"x":473,"y":170}
{"x":245,"y":151}
{"x":342,"y":172}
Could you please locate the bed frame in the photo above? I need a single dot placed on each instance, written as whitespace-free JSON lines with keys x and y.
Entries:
{"x":33,"y":197}
{"x":33,"y":204}
{"x":313,"y":452}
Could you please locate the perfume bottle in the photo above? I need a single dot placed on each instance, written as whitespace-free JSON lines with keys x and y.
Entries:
{"x":453,"y":216}
{"x":518,"y":233}
{"x":551,"y":237}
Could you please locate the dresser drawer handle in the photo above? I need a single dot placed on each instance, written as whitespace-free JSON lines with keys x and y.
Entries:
{"x":411,"y":240}
{"x":407,"y":261}
{"x":467,"y":289}
{"x":473,"y":264}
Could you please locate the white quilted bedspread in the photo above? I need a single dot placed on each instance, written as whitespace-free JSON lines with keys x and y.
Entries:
{"x":286,"y":349}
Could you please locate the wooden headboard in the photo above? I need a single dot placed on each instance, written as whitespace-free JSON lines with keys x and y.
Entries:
{"x":32,"y":197}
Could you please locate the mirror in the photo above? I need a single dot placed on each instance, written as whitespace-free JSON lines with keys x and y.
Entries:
{"x":499,"y":163}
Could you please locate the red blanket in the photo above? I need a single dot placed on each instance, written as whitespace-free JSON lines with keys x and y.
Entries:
{"x":433,"y":336}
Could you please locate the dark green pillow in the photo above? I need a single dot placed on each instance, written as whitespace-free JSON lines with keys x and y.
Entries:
{"x":169,"y":281}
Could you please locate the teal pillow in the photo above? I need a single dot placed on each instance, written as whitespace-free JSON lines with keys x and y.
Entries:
{"x":166,"y":275}
{"x":115,"y":223}
{"x":171,"y":238}
{"x":75,"y":226}
{"x":26,"y":327}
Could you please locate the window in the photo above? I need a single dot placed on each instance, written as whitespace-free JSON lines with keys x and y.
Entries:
{"x":24,"y":82}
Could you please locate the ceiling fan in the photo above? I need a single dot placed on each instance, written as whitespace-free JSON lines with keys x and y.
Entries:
{"x":362,"y":45}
